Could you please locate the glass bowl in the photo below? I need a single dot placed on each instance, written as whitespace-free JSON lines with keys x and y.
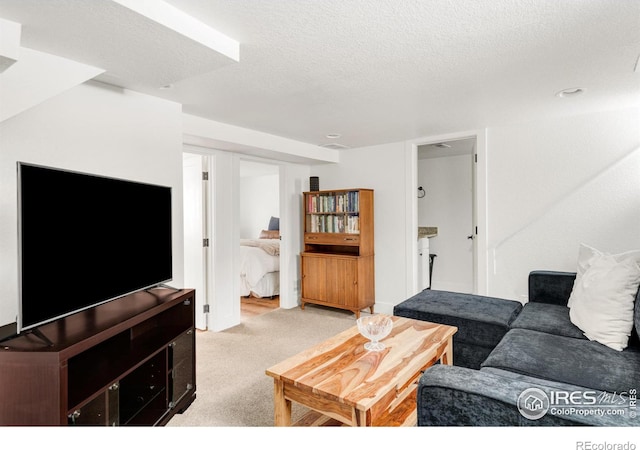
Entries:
{"x":375,"y":328}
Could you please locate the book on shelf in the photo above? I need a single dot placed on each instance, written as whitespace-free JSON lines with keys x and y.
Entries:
{"x":347,"y":202}
{"x":334,"y":224}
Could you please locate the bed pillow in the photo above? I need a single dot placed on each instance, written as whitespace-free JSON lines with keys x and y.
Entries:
{"x":603,"y":299}
{"x":274,"y":223}
{"x":269,"y":234}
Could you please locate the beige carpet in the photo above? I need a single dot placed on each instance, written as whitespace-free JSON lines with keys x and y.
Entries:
{"x":232,"y":389}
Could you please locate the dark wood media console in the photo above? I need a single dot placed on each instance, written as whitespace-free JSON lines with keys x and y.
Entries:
{"x":127,"y":362}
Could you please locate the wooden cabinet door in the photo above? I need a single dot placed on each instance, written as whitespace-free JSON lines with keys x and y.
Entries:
{"x":314,"y":269}
{"x":330,"y":279}
{"x":342,"y":279}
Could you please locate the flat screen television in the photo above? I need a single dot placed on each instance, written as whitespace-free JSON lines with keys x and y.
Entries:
{"x":85,"y":240}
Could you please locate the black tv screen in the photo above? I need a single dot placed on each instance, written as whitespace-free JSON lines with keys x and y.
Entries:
{"x":86,"y":239}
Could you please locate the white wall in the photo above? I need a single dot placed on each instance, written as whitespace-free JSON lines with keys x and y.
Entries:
{"x":91,"y":128}
{"x":294,"y":179}
{"x":447,"y":204}
{"x":381,"y":168}
{"x":554,"y":184}
{"x":259,"y":201}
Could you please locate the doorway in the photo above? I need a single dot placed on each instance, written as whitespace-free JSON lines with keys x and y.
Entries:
{"x":446,"y":174}
{"x":259,"y":224}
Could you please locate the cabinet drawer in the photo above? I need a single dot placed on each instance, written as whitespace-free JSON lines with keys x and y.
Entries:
{"x":332,"y":238}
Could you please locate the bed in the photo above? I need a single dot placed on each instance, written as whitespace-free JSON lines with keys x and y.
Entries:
{"x":260,"y":267}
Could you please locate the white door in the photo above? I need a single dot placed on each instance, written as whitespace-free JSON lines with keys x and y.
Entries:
{"x":195,"y":255}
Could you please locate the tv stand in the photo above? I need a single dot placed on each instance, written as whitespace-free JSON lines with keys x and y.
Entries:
{"x":163,"y":286}
{"x":130,"y":361}
{"x":41,"y":335}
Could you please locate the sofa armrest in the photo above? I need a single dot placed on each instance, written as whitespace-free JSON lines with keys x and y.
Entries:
{"x":458,"y":396}
{"x":550,"y":286}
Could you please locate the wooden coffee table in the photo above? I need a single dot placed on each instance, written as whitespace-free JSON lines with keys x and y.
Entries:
{"x":341,"y":380}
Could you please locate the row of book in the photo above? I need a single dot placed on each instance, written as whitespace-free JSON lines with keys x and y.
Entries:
{"x":333,"y":224}
{"x":346,"y":202}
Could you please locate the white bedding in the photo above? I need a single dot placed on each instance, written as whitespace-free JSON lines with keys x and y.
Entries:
{"x":268,"y":286}
{"x":256,"y":262}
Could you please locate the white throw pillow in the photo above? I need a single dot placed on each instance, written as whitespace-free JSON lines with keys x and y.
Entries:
{"x":586,"y":256}
{"x":603,"y":299}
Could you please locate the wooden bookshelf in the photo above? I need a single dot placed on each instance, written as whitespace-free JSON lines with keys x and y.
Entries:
{"x":338,"y":257}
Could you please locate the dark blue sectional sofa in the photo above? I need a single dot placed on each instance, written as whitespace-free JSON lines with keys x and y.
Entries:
{"x":524,"y":365}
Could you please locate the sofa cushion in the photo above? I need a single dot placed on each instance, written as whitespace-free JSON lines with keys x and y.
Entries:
{"x":481,"y":320}
{"x":532,"y":380}
{"x":603,"y":300}
{"x":567,"y":360}
{"x":547,"y":286}
{"x":553,"y":319}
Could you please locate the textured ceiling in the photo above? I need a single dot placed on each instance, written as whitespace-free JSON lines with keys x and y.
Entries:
{"x":134,"y":50}
{"x":373,"y":71}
